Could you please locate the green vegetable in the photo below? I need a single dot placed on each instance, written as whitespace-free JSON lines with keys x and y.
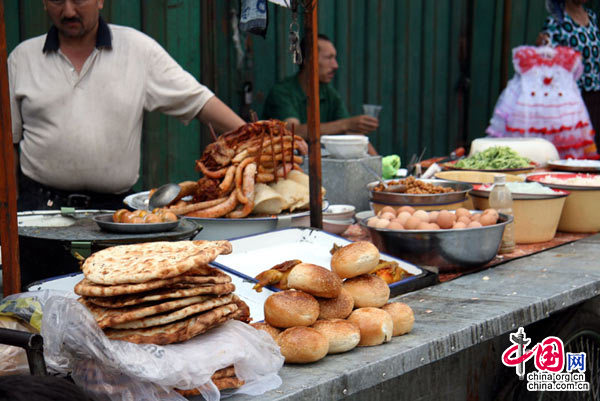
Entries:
{"x":389,"y":166}
{"x":494,"y":158}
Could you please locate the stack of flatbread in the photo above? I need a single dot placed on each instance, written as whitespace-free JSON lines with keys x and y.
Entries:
{"x":159,"y":292}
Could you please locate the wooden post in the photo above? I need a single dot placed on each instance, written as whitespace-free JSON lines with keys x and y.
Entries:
{"x":9,"y":233}
{"x":313,"y":115}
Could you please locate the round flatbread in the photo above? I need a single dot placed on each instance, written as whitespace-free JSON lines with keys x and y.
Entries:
{"x":173,"y":292}
{"x":178,"y":331}
{"x":140,"y":263}
{"x":86,"y":288}
{"x":176,"y":315}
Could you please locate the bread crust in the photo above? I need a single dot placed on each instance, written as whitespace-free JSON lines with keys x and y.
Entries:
{"x":291,"y":308}
{"x":355,"y":259}
{"x":341,"y":334}
{"x":314,"y":280}
{"x":402,"y":316}
{"x":302,"y":345}
{"x":368,"y":290}
{"x":376,"y":326}
{"x":264,"y":326}
{"x":336,"y":308}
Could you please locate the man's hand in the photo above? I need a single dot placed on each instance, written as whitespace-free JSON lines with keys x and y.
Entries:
{"x":362,"y":124}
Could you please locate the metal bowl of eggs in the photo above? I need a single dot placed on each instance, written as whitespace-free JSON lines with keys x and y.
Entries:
{"x":447,"y":240}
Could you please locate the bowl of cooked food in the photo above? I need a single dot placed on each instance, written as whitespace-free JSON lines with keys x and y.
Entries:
{"x":580,"y":214}
{"x":494,"y":159}
{"x":536,"y":209}
{"x":449,"y":240}
{"x":427,"y":194}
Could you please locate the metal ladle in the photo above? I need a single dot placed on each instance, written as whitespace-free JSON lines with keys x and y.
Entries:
{"x":164,"y":195}
{"x":398,"y":188}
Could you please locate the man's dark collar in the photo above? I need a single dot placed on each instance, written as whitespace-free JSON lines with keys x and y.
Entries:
{"x":103,"y":38}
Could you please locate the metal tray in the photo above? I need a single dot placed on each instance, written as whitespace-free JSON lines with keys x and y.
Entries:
{"x":105,"y":222}
{"x":391,"y":198}
{"x":256,"y":253}
{"x":582,"y":166}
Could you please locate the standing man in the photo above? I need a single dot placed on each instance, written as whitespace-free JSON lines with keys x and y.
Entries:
{"x":287,"y":99}
{"x":78,"y":95}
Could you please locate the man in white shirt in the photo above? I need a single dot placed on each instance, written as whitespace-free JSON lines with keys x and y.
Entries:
{"x":78,"y":95}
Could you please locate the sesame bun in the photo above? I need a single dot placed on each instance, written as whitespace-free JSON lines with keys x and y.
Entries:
{"x":376,"y":326}
{"x":291,"y":308}
{"x":341,"y":334}
{"x":402,"y":316}
{"x":355,"y":259}
{"x":302,"y":345}
{"x":368,"y":290}
{"x":336,"y":308}
{"x":266,"y":327}
{"x":314,"y":280}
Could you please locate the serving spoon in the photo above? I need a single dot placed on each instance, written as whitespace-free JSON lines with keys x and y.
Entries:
{"x":164,"y":195}
{"x":398,"y":188}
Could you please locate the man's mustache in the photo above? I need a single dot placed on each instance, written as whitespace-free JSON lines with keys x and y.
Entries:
{"x":68,"y":20}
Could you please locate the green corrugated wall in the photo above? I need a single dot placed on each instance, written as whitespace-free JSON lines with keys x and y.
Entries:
{"x":434,"y":65}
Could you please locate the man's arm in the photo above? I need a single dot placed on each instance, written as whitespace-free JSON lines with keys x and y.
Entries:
{"x":361,"y":124}
{"x":221,"y":117}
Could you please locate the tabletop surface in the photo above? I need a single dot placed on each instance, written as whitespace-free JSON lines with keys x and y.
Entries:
{"x":453,"y":316}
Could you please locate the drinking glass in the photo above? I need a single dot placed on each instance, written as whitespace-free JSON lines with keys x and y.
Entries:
{"x":372,"y":110}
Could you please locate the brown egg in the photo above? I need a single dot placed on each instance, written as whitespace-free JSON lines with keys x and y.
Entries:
{"x":474,"y":224}
{"x":152,"y":218}
{"x":494,"y":212}
{"x":403,"y":216}
{"x":388,"y":209}
{"x":461,"y":211}
{"x":445,"y":219}
{"x":394,"y":225}
{"x":423,"y":226}
{"x":396,"y":220}
{"x":422,"y":215}
{"x":434,"y":226}
{"x":118,"y":215}
{"x":372,"y":222}
{"x":465,"y":220}
{"x":388,"y":216}
{"x":382,"y":223}
{"x":412,"y":223}
{"x":475,"y":216}
{"x":408,"y":209}
{"x":459,"y":224}
{"x":169,"y":216}
{"x":488,"y":219}
{"x":433,"y":216}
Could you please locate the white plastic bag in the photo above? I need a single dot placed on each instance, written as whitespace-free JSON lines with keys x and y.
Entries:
{"x":118,"y":370}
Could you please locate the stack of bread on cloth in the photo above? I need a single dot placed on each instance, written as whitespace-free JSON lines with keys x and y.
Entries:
{"x":162,"y":293}
{"x":332,"y":311}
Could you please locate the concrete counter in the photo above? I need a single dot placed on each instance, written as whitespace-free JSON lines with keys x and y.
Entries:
{"x":450,"y":319}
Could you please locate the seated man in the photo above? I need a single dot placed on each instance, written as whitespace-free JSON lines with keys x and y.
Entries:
{"x":287,"y":99}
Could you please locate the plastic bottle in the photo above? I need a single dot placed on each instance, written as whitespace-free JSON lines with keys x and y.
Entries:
{"x":501,"y":200}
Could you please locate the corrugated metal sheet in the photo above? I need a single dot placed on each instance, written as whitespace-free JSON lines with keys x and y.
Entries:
{"x":434,"y":65}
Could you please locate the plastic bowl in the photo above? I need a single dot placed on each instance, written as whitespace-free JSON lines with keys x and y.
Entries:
{"x":580,"y":213}
{"x":336,"y":226}
{"x":339,"y":212}
{"x":536,"y":220}
{"x":448,"y":250}
{"x":346,"y":146}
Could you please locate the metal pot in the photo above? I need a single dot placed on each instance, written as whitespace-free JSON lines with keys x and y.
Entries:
{"x":52,"y":242}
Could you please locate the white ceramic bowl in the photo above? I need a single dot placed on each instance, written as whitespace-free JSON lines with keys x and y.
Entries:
{"x":346,"y":146}
{"x":336,"y":226}
{"x":339,"y":212}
